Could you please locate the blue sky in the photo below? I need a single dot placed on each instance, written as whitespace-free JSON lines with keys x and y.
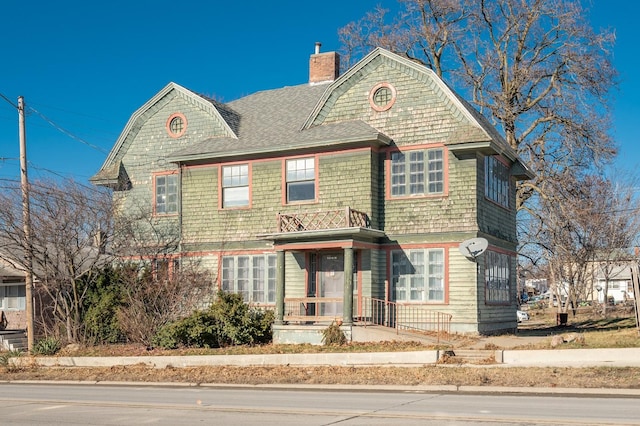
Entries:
{"x":85,"y":67}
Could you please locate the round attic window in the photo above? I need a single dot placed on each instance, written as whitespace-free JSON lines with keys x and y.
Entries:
{"x":176,"y":125}
{"x":382,"y":97}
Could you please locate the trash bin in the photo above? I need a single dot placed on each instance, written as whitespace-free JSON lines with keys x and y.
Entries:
{"x":562,"y":318}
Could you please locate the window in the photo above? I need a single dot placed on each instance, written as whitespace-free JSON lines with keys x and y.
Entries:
{"x":13,"y":297}
{"x":176,"y":125}
{"x":253,"y":277}
{"x":167,"y":194}
{"x":161,"y":269}
{"x":418,"y":275}
{"x":497,"y":181}
{"x":301,"y":180}
{"x":235,"y":186}
{"x":382,"y":97}
{"x":497,"y":277}
{"x":417,"y":172}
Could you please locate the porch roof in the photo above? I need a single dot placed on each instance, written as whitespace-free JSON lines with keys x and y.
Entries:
{"x":329,"y":238}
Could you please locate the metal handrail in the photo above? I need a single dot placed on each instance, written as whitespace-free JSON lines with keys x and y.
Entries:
{"x":405,"y":317}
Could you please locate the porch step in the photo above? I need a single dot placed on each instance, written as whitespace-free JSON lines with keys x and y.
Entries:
{"x":13,"y":341}
{"x":469,"y":356}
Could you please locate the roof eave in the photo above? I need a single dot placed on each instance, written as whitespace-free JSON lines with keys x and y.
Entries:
{"x":489,"y":147}
{"x":378,"y":139}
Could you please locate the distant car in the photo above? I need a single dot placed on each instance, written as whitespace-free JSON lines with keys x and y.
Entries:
{"x":536,"y":298}
{"x":522,"y":315}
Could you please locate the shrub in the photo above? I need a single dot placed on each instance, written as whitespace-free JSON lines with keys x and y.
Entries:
{"x":228,"y":321}
{"x":6,"y":356}
{"x":46,"y":346}
{"x":333,"y":336}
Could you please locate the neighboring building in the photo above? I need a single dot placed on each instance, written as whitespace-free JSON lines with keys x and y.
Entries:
{"x":361,"y":184}
{"x":620,"y":286}
{"x":12,"y":298}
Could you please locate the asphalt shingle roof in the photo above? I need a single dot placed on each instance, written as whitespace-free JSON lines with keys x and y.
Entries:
{"x":272,"y":121}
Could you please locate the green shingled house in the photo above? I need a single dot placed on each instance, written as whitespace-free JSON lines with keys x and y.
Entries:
{"x":342,"y":199}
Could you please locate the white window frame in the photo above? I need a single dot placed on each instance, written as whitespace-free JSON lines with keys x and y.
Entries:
{"x":417,"y":172}
{"x":497,"y":275}
{"x":300,"y":172}
{"x":417,"y":276}
{"x":13,"y":297}
{"x":235,"y":186}
{"x":497,"y":181}
{"x":251,"y":276}
{"x":166,"y":193}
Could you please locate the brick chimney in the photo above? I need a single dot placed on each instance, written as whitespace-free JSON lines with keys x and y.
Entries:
{"x":323,"y":67}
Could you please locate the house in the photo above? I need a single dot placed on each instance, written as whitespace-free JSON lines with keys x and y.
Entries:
{"x":362,"y":184}
{"x":616,"y":279}
{"x":12,"y":298}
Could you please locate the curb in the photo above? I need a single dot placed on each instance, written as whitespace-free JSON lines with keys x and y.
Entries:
{"x":504,"y":390}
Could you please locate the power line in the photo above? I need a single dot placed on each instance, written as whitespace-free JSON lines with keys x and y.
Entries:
{"x":9,"y":101}
{"x":66,"y":132}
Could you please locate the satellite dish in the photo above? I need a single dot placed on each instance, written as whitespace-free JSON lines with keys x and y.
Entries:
{"x":473,"y":248}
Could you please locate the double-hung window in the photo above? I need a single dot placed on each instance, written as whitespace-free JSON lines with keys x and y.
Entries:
{"x":13,"y":297}
{"x":496,"y":181}
{"x":253,"y":277}
{"x":417,"y":172}
{"x":497,"y":274}
{"x":235,"y":186}
{"x":166,"y":190}
{"x":301,"y":179}
{"x":418,"y":275}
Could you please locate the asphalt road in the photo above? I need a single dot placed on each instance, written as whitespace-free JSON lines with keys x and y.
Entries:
{"x":40,"y":404}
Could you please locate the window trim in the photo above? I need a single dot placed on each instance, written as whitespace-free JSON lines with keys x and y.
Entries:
{"x":425,"y":149}
{"x":426,"y":276}
{"x":221,"y":186}
{"x":496,"y":257}
{"x":285,"y":182}
{"x":374,"y":90}
{"x":170,"y":132}
{"x":155,"y":176}
{"x":498,"y":183}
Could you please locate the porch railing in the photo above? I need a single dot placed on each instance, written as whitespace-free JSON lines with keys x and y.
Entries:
{"x":405,"y":317}
{"x":327,"y":219}
{"x":312,"y":309}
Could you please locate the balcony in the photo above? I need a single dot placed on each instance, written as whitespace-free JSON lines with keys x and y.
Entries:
{"x":322,"y":220}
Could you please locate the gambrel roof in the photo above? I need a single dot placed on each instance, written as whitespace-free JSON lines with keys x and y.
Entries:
{"x":293,"y":119}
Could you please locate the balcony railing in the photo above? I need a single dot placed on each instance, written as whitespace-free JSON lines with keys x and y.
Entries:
{"x":312,"y":309}
{"x":328,"y":219}
{"x":405,"y":317}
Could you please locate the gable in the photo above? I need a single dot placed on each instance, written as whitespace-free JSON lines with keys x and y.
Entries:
{"x":425,"y":110}
{"x":146,"y":136}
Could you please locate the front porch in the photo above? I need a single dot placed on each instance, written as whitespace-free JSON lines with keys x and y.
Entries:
{"x":301,"y":324}
{"x":328,"y":253}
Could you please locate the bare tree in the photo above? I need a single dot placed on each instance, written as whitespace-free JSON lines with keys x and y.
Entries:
{"x":159,"y":284}
{"x":69,"y":223}
{"x":593,"y":227}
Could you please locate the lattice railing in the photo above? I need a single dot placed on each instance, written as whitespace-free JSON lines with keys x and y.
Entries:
{"x":327,"y":219}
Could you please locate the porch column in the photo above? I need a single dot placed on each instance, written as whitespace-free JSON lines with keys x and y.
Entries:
{"x":279,"y":287}
{"x":347,"y":314}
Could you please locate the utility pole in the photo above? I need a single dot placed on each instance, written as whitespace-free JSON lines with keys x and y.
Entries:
{"x":26,"y":223}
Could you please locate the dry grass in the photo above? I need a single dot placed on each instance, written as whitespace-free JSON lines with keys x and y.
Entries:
{"x":617,"y":331}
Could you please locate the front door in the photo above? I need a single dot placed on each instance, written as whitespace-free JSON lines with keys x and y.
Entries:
{"x":331,"y":282}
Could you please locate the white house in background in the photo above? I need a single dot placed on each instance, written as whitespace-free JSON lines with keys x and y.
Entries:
{"x":620,"y":285}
